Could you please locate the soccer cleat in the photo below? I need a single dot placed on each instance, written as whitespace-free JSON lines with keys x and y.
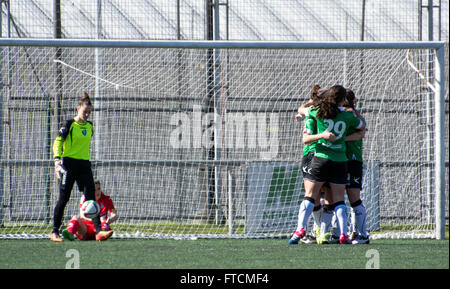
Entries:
{"x":55,"y":237}
{"x":353,"y":236}
{"x":317,"y":232}
{"x":308,"y":239}
{"x":324,"y":239}
{"x":68,"y":235}
{"x":103,"y":235}
{"x":343,"y":239}
{"x":296,"y":236}
{"x":361,"y":240}
{"x":334,"y":239}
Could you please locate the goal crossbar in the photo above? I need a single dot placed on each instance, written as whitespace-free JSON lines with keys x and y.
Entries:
{"x":204,"y":44}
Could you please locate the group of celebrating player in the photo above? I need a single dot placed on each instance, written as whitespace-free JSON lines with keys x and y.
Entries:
{"x":332,"y":166}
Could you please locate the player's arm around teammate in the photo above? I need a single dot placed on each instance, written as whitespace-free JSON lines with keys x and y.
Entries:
{"x":314,"y":97}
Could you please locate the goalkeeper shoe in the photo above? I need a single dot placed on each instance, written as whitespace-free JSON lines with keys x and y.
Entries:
{"x":296,"y":236}
{"x":361,"y":240}
{"x":55,"y":237}
{"x":343,"y":239}
{"x":68,"y":235}
{"x":103,"y":235}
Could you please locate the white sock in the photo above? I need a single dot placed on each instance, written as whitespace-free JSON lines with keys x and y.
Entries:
{"x":334,"y":225}
{"x":353,"y":220}
{"x":327,"y":215}
{"x":360,"y":219}
{"x":305,"y":210}
{"x":341,"y":215}
{"x":317,"y":215}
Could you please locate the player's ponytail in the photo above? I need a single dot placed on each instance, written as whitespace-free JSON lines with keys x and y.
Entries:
{"x":315,"y":91}
{"x":315,"y":96}
{"x":85,"y":100}
{"x":349,"y":98}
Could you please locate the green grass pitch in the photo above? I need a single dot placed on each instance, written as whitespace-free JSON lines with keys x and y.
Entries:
{"x":222,"y":254}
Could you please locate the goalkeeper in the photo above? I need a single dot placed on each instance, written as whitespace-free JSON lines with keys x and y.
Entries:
{"x":81,"y":227}
{"x":71,"y":150}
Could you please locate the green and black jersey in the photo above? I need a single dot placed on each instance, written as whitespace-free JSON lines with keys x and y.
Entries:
{"x":73,"y":141}
{"x":354,"y":148}
{"x":310,"y":128}
{"x":339,"y":126}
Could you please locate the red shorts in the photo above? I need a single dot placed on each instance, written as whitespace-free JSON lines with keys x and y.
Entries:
{"x":90,"y":231}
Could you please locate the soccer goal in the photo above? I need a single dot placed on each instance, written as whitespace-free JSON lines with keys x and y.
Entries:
{"x":198,"y":139}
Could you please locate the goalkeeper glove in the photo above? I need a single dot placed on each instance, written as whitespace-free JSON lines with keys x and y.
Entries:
{"x":59,"y":169}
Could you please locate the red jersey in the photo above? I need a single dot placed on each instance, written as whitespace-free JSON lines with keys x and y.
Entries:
{"x":105,"y":203}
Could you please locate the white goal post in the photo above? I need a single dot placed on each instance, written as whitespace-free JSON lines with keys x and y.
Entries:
{"x":197,"y":139}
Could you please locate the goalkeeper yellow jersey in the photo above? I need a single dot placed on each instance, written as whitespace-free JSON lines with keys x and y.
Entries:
{"x":74,"y":140}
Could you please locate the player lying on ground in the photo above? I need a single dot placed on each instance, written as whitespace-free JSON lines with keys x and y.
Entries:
{"x":83,"y":228}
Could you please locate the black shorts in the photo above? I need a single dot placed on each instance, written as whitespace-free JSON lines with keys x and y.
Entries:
{"x":78,"y":171}
{"x":306,"y":164}
{"x":325,"y":170}
{"x":355,"y":174}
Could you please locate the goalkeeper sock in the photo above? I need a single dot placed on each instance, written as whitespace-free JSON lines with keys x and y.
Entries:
{"x":72,"y":227}
{"x":341,"y":215}
{"x":359,"y":212}
{"x":305,"y":210}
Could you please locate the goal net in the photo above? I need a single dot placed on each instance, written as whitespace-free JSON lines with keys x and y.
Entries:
{"x":200,"y":140}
